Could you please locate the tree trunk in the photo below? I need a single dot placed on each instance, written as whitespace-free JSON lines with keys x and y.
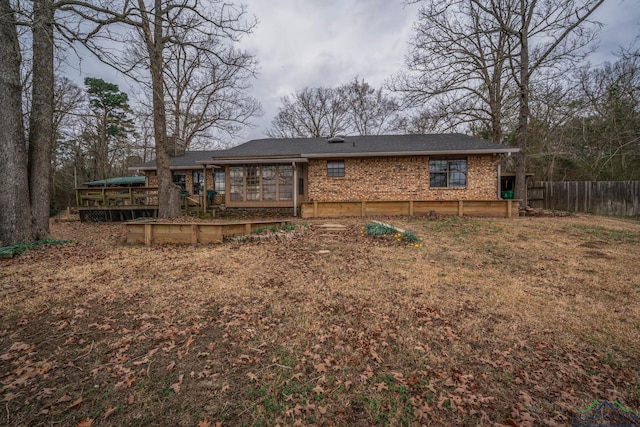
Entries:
{"x":523,"y":118}
{"x":168,"y":193}
{"x":15,"y":209}
{"x":41,"y":118}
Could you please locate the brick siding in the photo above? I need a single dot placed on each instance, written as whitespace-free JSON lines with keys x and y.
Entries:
{"x":399,"y":178}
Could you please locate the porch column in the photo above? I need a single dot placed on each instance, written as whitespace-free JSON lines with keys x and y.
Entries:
{"x":295,"y":189}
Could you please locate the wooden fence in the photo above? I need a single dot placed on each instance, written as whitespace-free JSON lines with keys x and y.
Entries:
{"x":490,"y":208}
{"x":619,"y":198}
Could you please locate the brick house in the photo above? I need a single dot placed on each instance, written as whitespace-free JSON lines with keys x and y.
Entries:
{"x":296,"y":172}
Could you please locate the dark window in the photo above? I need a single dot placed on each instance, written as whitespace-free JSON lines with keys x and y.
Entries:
{"x":180,"y":179}
{"x":447,"y":173}
{"x":218,"y":181}
{"x":198,"y":182}
{"x":335,"y":168}
{"x":301,"y":181}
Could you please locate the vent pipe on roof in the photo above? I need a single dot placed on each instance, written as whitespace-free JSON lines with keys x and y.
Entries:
{"x":335,"y":139}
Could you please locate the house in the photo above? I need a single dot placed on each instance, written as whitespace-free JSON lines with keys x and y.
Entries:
{"x":352,"y":175}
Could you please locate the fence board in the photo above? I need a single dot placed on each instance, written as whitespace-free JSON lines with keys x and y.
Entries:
{"x":620,"y":198}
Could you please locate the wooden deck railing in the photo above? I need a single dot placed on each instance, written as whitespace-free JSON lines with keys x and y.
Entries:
{"x":111,"y":196}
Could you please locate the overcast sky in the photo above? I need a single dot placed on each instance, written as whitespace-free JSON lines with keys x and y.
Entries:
{"x":301,"y":43}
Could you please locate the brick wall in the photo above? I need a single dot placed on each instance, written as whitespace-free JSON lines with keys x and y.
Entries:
{"x":400,"y":178}
{"x":152,"y":178}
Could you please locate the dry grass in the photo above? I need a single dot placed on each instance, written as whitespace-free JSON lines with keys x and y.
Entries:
{"x":490,"y":322}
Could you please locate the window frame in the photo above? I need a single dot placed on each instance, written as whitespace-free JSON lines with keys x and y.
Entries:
{"x":251,"y":180}
{"x":219,"y":184}
{"x":448,"y":172}
{"x":181,"y":181}
{"x":198,"y":186}
{"x":336,"y":169}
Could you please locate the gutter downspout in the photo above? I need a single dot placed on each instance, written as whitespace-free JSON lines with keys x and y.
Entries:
{"x":295,"y":189}
{"x":499,"y":182}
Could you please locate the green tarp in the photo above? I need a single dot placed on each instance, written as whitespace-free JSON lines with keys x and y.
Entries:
{"x":123,"y":181}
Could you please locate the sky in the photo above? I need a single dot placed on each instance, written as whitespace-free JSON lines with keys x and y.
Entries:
{"x":300,"y":43}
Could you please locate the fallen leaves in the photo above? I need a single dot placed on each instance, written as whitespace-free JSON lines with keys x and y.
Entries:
{"x":276,"y":333}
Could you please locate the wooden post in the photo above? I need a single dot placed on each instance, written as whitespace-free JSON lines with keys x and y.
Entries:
{"x":195,"y":234}
{"x":410,"y":207}
{"x":247,"y":228}
{"x":509,"y":209}
{"x":148,"y":234}
{"x":315,"y":209}
{"x":460,"y":207}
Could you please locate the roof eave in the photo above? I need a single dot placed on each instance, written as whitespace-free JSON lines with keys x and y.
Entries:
{"x":197,"y":165}
{"x":255,"y":160}
{"x":414,"y":153}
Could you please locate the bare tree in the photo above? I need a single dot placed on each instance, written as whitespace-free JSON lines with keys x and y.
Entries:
{"x":542,"y":35}
{"x":605,"y":134}
{"x":354,"y":108}
{"x":370,"y":111}
{"x":457,"y":68}
{"x":207,"y":94}
{"x":158,"y":23}
{"x":310,"y":112}
{"x":15,"y":220}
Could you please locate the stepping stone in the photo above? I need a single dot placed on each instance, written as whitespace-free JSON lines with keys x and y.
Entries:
{"x":331,"y":227}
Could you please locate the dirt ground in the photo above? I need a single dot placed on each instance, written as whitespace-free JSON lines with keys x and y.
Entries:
{"x":487,"y":322}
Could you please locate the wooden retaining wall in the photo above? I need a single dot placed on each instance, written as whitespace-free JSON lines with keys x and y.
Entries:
{"x":489,"y":208}
{"x":166,"y":232}
{"x":621,"y":198}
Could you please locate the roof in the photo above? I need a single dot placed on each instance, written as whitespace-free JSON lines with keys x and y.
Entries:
{"x":363,"y":146}
{"x":294,"y":149}
{"x":122,"y":181}
{"x":187,"y":161}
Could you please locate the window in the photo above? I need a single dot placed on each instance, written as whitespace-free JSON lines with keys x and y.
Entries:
{"x":447,"y":173}
{"x":301,"y":181}
{"x":335,"y":168}
{"x":253,"y":182}
{"x":285,"y":182}
{"x":236,"y":182}
{"x":218,"y":181}
{"x":269,"y":182}
{"x":180,"y":179}
{"x":198,"y":182}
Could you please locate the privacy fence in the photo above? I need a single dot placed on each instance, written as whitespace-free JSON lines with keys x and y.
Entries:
{"x":599,"y":197}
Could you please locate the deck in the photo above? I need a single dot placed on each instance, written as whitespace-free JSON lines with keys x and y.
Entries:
{"x":107,"y":204}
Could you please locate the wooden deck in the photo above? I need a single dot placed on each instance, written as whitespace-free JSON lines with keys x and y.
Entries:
{"x":153,"y":232}
{"x":489,"y":208}
{"x":107,"y":204}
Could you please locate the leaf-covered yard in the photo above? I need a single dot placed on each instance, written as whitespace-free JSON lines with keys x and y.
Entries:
{"x":487,"y":322}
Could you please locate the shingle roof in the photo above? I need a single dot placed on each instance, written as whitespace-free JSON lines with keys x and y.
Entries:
{"x":364,"y":146}
{"x":187,"y":161}
{"x":352,"y":146}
